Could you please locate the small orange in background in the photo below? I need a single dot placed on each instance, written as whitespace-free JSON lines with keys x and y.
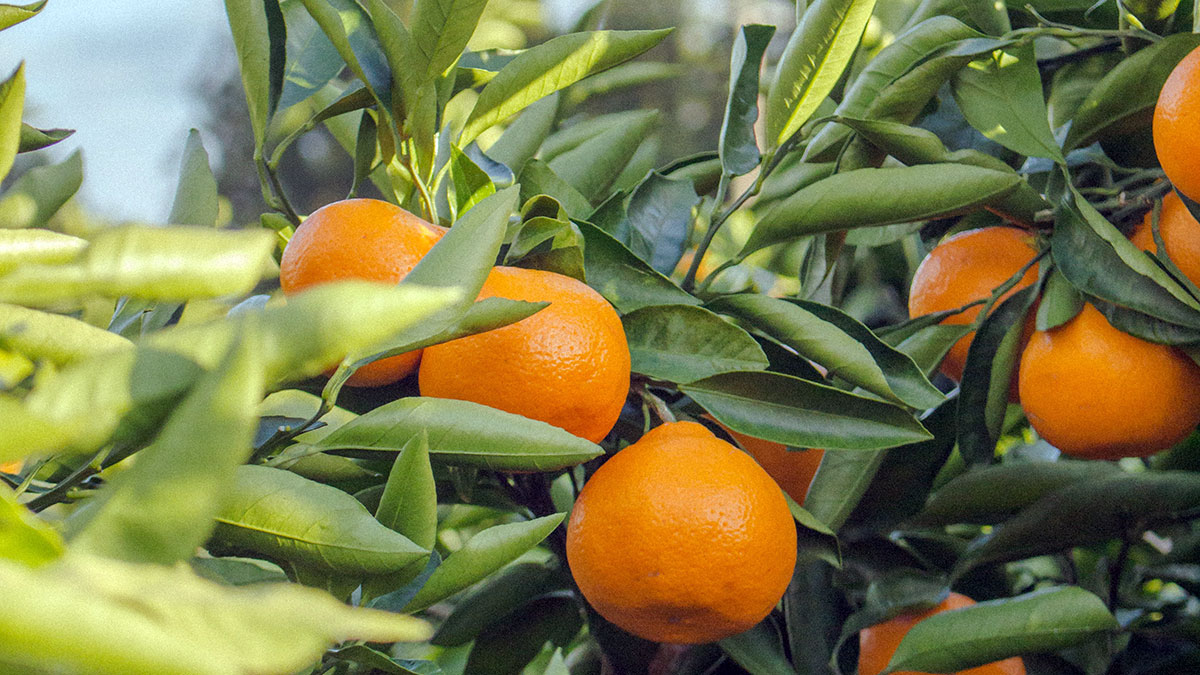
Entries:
{"x":792,"y":469}
{"x":1095,"y":392}
{"x":11,"y":467}
{"x":1180,"y":234}
{"x":966,"y":267}
{"x":364,"y":239}
{"x":681,"y":538}
{"x":878,"y":643}
{"x":568,"y":365}
{"x":1176,"y":126}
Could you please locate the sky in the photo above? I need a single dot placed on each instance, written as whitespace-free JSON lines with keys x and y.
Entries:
{"x":124,"y":75}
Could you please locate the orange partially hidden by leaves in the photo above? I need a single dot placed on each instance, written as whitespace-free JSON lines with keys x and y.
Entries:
{"x":1176,"y":122}
{"x":792,"y":469}
{"x":1095,"y":392}
{"x":967,"y":267}
{"x":681,"y":538}
{"x":11,"y":467}
{"x":567,"y":365}
{"x":1180,"y":234}
{"x":877,"y":643}
{"x":359,"y":239}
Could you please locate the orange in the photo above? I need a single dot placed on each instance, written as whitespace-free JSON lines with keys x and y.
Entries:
{"x":877,"y":643}
{"x":1176,"y":121}
{"x":1180,"y":234}
{"x":359,"y":239}
{"x":568,"y":365}
{"x":1097,"y":393}
{"x":793,"y":470}
{"x":11,"y":467}
{"x":681,"y":538}
{"x":966,"y":267}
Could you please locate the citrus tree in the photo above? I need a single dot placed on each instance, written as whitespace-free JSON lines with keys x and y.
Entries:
{"x":348,"y":442}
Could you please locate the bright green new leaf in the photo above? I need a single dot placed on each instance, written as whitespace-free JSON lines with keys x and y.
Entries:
{"x":40,"y":192}
{"x":196,"y":194}
{"x":53,"y":337}
{"x":11,"y":15}
{"x":25,"y":538}
{"x":22,"y":247}
{"x":12,"y":104}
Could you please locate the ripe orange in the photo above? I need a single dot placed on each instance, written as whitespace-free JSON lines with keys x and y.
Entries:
{"x":793,"y":470}
{"x":1097,"y":393}
{"x":1176,"y":120}
{"x":1180,"y":234}
{"x":11,"y":467}
{"x":877,"y":643}
{"x":567,"y":365}
{"x":966,"y":267}
{"x":681,"y":538}
{"x":359,"y":239}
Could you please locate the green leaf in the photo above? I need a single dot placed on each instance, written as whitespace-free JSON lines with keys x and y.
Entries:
{"x":461,"y":433}
{"x":512,"y":645}
{"x":593,"y":166}
{"x":866,"y":197}
{"x":520,"y":141}
{"x":626,"y":75}
{"x":11,"y":15}
{"x":163,"y":263}
{"x":803,"y":414}
{"x":22,"y":247}
{"x":1046,"y":620}
{"x":441,"y":29}
{"x":1060,"y":302}
{"x":482,"y":555}
{"x":409,"y":501}
{"x":549,"y":67}
{"x":986,"y":15}
{"x":24,"y":538}
{"x":912,"y":47}
{"x":53,"y":337}
{"x":738,"y":147}
{"x":352,"y":33}
{"x":163,"y":507}
{"x":1001,"y":96}
{"x":40,"y":192}
{"x":312,"y":60}
{"x":255,"y":34}
{"x":33,"y":138}
{"x":12,"y":104}
{"x":1088,"y":512}
{"x":659,"y":217}
{"x":685,"y":343}
{"x":537,"y":178}
{"x":818,"y":51}
{"x":494,"y":601}
{"x":1125,"y":98}
{"x":623,"y":278}
{"x":991,"y":494}
{"x":471,"y":183}
{"x":62,"y":618}
{"x":196,"y":195}
{"x":758,"y":651}
{"x":848,"y":349}
{"x":289,"y":519}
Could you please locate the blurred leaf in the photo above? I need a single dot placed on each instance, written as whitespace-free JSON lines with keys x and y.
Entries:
{"x":234,"y":571}
{"x":1001,"y":96}
{"x":520,"y":141}
{"x":866,"y":197}
{"x":11,"y":15}
{"x":551,"y":66}
{"x":12,"y":104}
{"x":25,"y":538}
{"x":196,"y":195}
{"x":379,"y":662}
{"x":40,"y":192}
{"x":164,"y":263}
{"x":537,"y":178}
{"x":53,"y":337}
{"x":312,"y":60}
{"x":494,"y":601}
{"x":290,"y":519}
{"x":738,"y":147}
{"x":803,"y":414}
{"x":163,"y":507}
{"x":1126,"y":96}
{"x":659,"y":217}
{"x":685,"y":343}
{"x":816,"y":54}
{"x":624,"y":279}
{"x":22,"y":247}
{"x":461,"y":433}
{"x":441,"y":29}
{"x":171,"y":621}
{"x":482,"y":555}
{"x":1060,"y":302}
{"x":471,"y":183}
{"x":594,"y":164}
{"x":987,"y":376}
{"x":508,"y":646}
{"x":258,"y":38}
{"x":1043,"y":621}
{"x":990,"y":494}
{"x":626,"y":75}
{"x":352,"y":33}
{"x":33,"y":138}
{"x":836,"y":341}
{"x":758,"y":651}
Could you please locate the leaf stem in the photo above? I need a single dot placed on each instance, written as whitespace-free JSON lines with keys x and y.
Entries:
{"x":59,"y":492}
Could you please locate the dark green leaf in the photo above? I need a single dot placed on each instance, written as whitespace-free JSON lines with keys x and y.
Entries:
{"x":35,"y":139}
{"x":11,"y":15}
{"x":287,"y":518}
{"x":684,"y":343}
{"x":1060,"y":302}
{"x":509,"y":646}
{"x":659,"y":217}
{"x":1043,"y":621}
{"x":252,"y":29}
{"x":493,"y":601}
{"x":818,"y":51}
{"x":623,"y":278}
{"x":12,"y":104}
{"x":312,"y":60}
{"x":351,"y":31}
{"x":866,"y":197}
{"x":738,"y":147}
{"x":366,"y":150}
{"x":40,"y":192}
{"x":803,"y":414}
{"x":593,"y":165}
{"x":196,"y":194}
{"x":549,"y":67}
{"x":758,"y":651}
